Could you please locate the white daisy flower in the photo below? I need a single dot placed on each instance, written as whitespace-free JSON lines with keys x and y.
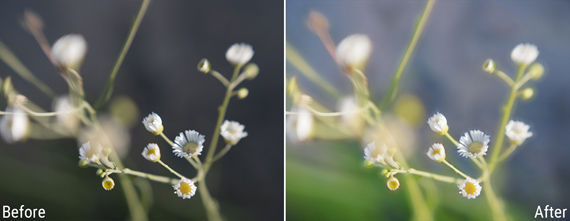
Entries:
{"x":489,"y":66}
{"x":300,"y":125}
{"x":473,"y":144}
{"x":354,"y":50}
{"x":90,"y":153}
{"x":438,"y":123}
{"x":524,"y":54}
{"x":108,"y":183}
{"x":185,"y":188}
{"x":393,"y":183}
{"x":517,"y":132}
{"x":379,"y":155}
{"x":69,"y":50}
{"x":188,"y":144}
{"x":65,"y":113}
{"x":470,"y":188}
{"x":436,"y":152}
{"x":15,"y":125}
{"x":153,"y":123}
{"x":151,"y":152}
{"x":372,"y":153}
{"x":239,"y":53}
{"x":232,"y":131}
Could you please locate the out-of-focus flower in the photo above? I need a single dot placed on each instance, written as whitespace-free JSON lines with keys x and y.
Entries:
{"x":354,"y":50}
{"x":239,"y":53}
{"x":536,"y":71}
{"x":251,"y":71}
{"x":436,"y":152}
{"x":438,"y":123}
{"x":524,"y":53}
{"x":300,"y":124}
{"x":153,"y":123}
{"x":185,"y":188}
{"x":473,"y":144}
{"x":242,"y":93}
{"x":470,"y":188}
{"x":66,"y":115}
{"x":151,"y":152}
{"x":527,"y":93}
{"x":204,"y":66}
{"x":90,"y":153}
{"x":69,"y":50}
{"x":489,"y":66}
{"x":517,"y":131}
{"x":232,"y":131}
{"x":14,"y":126}
{"x":188,"y":144}
{"x":380,"y":155}
{"x":393,"y":183}
{"x":111,"y":134}
{"x":350,"y":113}
{"x":108,"y":183}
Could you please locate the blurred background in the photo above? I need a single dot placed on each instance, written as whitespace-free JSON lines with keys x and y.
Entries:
{"x":326,"y":180}
{"x":158,"y":75}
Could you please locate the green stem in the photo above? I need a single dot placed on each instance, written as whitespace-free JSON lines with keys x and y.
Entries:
{"x":220,"y":77}
{"x":221,"y":116}
{"x":505,"y":78}
{"x":222,"y":153}
{"x":506,"y":116}
{"x":419,"y":205}
{"x":152,"y":177}
{"x":508,"y":152}
{"x":451,"y":139}
{"x":295,"y":59}
{"x":455,"y":169}
{"x":13,"y":62}
{"x":136,"y":208}
{"x":393,"y":90}
{"x":108,"y":90}
{"x":437,"y":177}
{"x":166,"y":139}
{"x":497,"y":210}
{"x":170,"y":169}
{"x":210,"y":205}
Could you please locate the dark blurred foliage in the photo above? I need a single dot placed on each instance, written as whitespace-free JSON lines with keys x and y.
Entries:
{"x":445,"y":73}
{"x":159,"y":74}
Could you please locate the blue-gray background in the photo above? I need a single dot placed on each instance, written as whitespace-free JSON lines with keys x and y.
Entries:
{"x":159,"y":74}
{"x":445,"y":73}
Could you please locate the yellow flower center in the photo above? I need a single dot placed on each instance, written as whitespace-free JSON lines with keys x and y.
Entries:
{"x":393,"y":185}
{"x":436,"y":152}
{"x":475,"y":147}
{"x":190,"y":147}
{"x":470,"y":188}
{"x":91,"y":153}
{"x":185,"y":188}
{"x":108,"y":185}
{"x":151,"y":151}
{"x":517,"y":132}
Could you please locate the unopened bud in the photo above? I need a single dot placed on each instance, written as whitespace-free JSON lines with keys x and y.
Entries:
{"x":251,"y":70}
{"x":242,"y":93}
{"x":489,"y":66}
{"x":527,"y":93}
{"x":536,"y":71}
{"x":108,"y":183}
{"x":204,"y":66}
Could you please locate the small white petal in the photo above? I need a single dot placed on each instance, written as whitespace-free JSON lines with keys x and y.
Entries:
{"x":153,"y":123}
{"x":300,"y":125}
{"x":185,"y":188}
{"x":15,"y":125}
{"x":438,"y":123}
{"x":232,"y":131}
{"x":436,"y":152}
{"x":517,"y":132}
{"x":354,"y":50}
{"x":524,"y":53}
{"x":470,"y":188}
{"x":473,"y":144}
{"x":188,"y":144}
{"x":69,"y":50}
{"x":239,"y":53}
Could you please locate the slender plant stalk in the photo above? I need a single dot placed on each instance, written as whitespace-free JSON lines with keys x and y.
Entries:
{"x":108,"y":90}
{"x":222,"y":152}
{"x":13,"y":62}
{"x":294,"y":58}
{"x":455,"y":169}
{"x":419,"y":205}
{"x":393,"y":90}
{"x":508,"y":152}
{"x":155,"y":178}
{"x":136,"y":208}
{"x":170,"y":169}
{"x":211,"y":206}
{"x":437,"y":177}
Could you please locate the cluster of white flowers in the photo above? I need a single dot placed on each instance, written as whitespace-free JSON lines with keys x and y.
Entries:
{"x":380,"y":155}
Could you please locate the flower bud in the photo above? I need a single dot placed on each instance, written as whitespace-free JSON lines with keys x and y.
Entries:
{"x":83,"y":163}
{"x":393,"y":183}
{"x":242,"y":93}
{"x":100,"y":173}
{"x":69,"y":50}
{"x":354,"y":50}
{"x":204,"y":66}
{"x":489,"y":66}
{"x":536,"y":71}
{"x":239,"y":53}
{"x":251,"y":71}
{"x":527,"y":93}
{"x":524,"y":54}
{"x":108,"y":183}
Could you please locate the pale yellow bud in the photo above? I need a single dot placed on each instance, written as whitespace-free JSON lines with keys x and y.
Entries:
{"x":536,"y":71}
{"x":527,"y":93}
{"x":242,"y":93}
